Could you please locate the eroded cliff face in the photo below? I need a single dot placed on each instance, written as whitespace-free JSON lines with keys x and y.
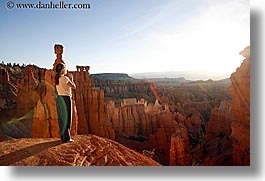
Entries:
{"x":220,"y":121}
{"x":179,"y":150}
{"x":240,"y":91}
{"x":22,"y":96}
{"x":45,"y":119}
{"x":8,"y":91}
{"x":91,"y":108}
{"x":28,"y":93}
{"x":217,"y":149}
{"x":36,"y":104}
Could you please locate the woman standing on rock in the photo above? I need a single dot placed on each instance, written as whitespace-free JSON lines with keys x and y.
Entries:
{"x":64,"y":85}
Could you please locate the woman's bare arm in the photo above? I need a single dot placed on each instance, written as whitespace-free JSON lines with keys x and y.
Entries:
{"x":71,"y":82}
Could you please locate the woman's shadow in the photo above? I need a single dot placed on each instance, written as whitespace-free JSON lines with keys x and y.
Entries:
{"x":11,"y":158}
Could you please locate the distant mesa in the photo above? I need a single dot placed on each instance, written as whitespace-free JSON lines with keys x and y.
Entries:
{"x":112,"y":76}
{"x":188,"y":75}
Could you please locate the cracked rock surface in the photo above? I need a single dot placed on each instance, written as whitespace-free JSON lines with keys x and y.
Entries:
{"x":86,"y":150}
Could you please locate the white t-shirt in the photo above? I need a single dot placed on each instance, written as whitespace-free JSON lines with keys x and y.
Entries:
{"x":63,"y":89}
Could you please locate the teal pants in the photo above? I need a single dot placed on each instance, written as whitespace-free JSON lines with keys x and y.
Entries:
{"x":64,"y":111}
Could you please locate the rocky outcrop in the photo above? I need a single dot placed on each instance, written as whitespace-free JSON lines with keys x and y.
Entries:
{"x":179,"y":148}
{"x":194,"y":127}
{"x":165,"y":123}
{"x":240,"y":91}
{"x":82,"y":96}
{"x":10,"y":124}
{"x":17,"y":121}
{"x":86,"y":150}
{"x":44,"y":123}
{"x":28,"y":93}
{"x":220,"y":121}
{"x":134,"y":121}
{"x":217,"y":149}
{"x":45,"y":119}
{"x":58,"y":50}
{"x":91,"y":108}
{"x":8,"y":91}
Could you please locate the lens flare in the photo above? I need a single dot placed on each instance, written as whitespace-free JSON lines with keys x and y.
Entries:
{"x":29,"y":115}
{"x":151,"y":85}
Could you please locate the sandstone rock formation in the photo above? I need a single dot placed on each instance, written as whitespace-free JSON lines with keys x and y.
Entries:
{"x":240,"y":91}
{"x":16,"y":120}
{"x":90,"y":106}
{"x":28,"y":94}
{"x":45,"y":120}
{"x":217,"y":149}
{"x":86,"y":150}
{"x":200,"y":95}
{"x":164,"y":124}
{"x":194,"y":127}
{"x":168,"y":122}
{"x":220,"y":121}
{"x":179,"y":149}
{"x":58,"y":50}
{"x":135,"y":124}
{"x":135,"y":121}
{"x":8,"y":91}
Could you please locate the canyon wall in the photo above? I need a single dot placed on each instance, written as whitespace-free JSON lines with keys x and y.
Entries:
{"x":8,"y":91}
{"x":28,"y":90}
{"x":45,"y":118}
{"x":36,"y":94}
{"x":216,"y":149}
{"x":240,"y":91}
{"x":143,"y":127}
{"x":90,"y":105}
{"x":220,"y":121}
{"x":179,"y":149}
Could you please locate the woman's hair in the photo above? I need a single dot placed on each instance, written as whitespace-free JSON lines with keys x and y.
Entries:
{"x":58,"y":69}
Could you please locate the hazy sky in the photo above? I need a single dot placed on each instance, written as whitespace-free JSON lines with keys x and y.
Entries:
{"x":130,"y":36}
